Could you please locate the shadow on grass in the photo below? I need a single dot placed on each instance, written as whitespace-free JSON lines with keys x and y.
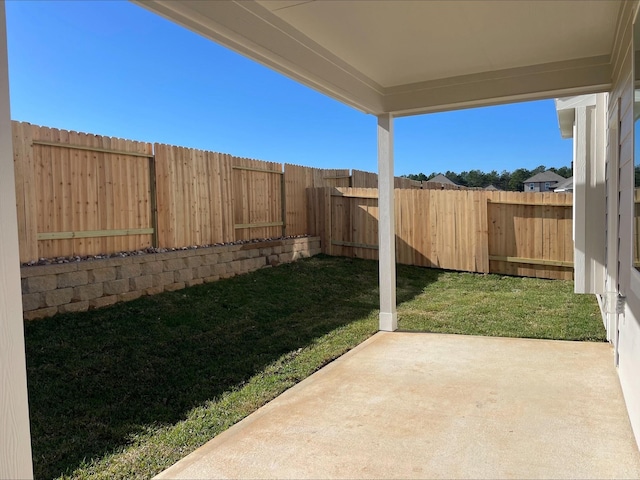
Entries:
{"x":97,"y":379}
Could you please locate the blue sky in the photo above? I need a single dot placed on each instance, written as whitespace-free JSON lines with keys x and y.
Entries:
{"x":113,"y":68}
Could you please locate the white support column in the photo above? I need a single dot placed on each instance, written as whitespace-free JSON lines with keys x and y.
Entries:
{"x":590,"y":196}
{"x":581,"y":144}
{"x":15,"y":436}
{"x":386,"y":225}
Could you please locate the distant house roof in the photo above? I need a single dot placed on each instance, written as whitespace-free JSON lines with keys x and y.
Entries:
{"x":441,"y":179}
{"x":547,"y":176}
{"x":492,"y":188}
{"x":566,"y":186}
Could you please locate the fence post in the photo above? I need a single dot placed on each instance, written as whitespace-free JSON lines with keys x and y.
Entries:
{"x":483,"y":223}
{"x":153,"y":199}
{"x":283,"y":202}
{"x":328,"y":207}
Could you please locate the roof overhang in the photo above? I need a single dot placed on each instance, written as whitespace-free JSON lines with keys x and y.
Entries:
{"x":566,"y":109}
{"x":404,"y":57}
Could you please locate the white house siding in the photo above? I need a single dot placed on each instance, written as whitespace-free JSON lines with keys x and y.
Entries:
{"x":628,"y":280}
{"x":608,"y":301}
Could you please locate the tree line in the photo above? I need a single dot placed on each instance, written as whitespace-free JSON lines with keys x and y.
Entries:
{"x":509,"y":181}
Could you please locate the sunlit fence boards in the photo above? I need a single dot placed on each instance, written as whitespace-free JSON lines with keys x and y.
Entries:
{"x":83,"y":194}
{"x":80,"y":194}
{"x":194,"y":196}
{"x":526,"y":234}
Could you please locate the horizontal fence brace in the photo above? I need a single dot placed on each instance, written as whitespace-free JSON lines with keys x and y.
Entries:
{"x":336,"y":177}
{"x":92,"y":149}
{"x":263,"y":170}
{"x":530,"y":261}
{"x":259,"y":225}
{"x":533,"y":204}
{"x":347,"y":195}
{"x":94,"y":234}
{"x":338,"y":243}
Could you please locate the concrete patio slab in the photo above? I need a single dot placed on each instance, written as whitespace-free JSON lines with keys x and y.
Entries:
{"x":412,"y":405}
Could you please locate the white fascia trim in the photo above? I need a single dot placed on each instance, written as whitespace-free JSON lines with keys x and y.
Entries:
{"x":557,"y":79}
{"x":253,"y":31}
{"x":571,"y":103}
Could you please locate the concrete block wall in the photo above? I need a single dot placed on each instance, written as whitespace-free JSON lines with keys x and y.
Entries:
{"x":80,"y":286}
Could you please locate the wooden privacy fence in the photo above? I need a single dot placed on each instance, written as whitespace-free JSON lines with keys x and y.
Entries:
{"x":78,"y":193}
{"x":194,"y":191}
{"x":526,"y":234}
{"x":83,"y":194}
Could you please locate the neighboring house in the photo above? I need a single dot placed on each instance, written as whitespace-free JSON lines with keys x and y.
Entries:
{"x":493,"y":188}
{"x":566,"y":186}
{"x":543,"y":182}
{"x":441,"y":179}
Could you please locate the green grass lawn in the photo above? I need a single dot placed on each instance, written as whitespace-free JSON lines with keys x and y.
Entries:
{"x":496,"y":305}
{"x":127,"y":391}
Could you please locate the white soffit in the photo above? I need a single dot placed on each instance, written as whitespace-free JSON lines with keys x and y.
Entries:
{"x":406,"y":41}
{"x":411,"y":56}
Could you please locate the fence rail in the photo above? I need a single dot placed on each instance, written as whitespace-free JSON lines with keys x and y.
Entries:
{"x":526,"y":234}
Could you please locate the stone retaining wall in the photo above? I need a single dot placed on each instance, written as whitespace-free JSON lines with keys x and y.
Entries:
{"x":80,"y":286}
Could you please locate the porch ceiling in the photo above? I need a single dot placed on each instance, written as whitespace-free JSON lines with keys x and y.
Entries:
{"x":408,"y":57}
